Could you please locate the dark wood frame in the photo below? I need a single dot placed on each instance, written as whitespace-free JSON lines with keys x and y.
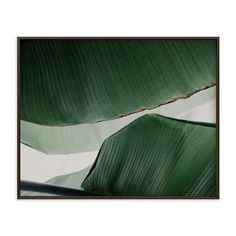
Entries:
{"x":73,"y":196}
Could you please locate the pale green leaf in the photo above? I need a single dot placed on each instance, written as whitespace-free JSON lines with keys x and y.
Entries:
{"x":89,"y":137}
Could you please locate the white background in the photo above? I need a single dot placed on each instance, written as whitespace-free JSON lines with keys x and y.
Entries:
{"x":117,"y":18}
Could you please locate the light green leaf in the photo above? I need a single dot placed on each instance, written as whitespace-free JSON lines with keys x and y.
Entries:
{"x":157,"y":156}
{"x":73,"y":180}
{"x":71,"y":139}
{"x":36,"y":194}
{"x":65,"y":82}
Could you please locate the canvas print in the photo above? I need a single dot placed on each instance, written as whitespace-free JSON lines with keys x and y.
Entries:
{"x":118,"y":118}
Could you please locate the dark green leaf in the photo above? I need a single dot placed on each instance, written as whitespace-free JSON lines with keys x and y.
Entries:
{"x":29,"y":188}
{"x":157,"y":156}
{"x":66,"y":82}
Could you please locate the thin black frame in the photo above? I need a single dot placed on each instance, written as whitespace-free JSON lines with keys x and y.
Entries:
{"x":19,"y":39}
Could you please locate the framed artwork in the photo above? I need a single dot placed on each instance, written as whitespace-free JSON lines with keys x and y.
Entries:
{"x":118,"y":117}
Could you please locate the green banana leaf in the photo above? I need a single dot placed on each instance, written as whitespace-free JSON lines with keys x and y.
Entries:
{"x":156,"y":156}
{"x":65,"y":82}
{"x":71,"y":139}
